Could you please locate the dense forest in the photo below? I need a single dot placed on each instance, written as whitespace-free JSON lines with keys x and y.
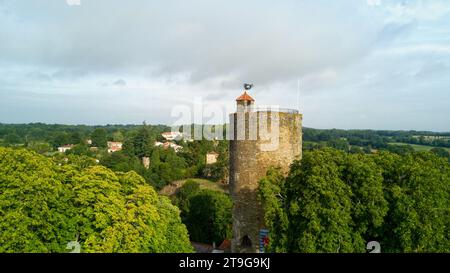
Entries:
{"x":332,"y":201}
{"x":355,"y":141}
{"x":352,"y":186}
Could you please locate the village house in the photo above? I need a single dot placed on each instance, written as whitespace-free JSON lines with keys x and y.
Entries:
{"x":169,"y":144}
{"x":65,"y":148}
{"x":211,"y":157}
{"x":172,"y":145}
{"x":114,"y":146}
{"x":170,"y":136}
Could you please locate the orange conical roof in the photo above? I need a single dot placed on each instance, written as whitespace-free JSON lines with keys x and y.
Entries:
{"x":245,"y":97}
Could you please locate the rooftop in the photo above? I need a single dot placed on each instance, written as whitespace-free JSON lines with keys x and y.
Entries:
{"x":245,"y":97}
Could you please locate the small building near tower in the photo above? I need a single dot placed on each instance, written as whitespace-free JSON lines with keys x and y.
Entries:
{"x":211,"y":158}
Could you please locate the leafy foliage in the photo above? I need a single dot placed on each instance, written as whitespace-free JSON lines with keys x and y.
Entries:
{"x":337,"y":202}
{"x":99,"y":137}
{"x":209,"y":217}
{"x":207,"y":213}
{"x":184,"y":194}
{"x":43,"y":206}
{"x":33,"y":204}
{"x":380,"y":139}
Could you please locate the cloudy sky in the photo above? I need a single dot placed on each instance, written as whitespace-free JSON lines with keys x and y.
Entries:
{"x":375,"y":64}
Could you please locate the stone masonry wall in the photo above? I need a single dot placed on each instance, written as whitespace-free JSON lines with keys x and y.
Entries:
{"x":249,"y":162}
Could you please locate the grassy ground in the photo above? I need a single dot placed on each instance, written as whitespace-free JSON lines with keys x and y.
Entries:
{"x":418,"y":147}
{"x":204,"y":184}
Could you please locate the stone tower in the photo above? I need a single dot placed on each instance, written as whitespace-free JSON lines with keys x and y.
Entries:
{"x":259,"y":139}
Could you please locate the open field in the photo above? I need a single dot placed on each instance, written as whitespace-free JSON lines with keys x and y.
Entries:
{"x":418,"y":147}
{"x":433,"y":137}
{"x":204,"y":184}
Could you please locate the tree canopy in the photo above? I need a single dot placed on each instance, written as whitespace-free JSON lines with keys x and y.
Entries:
{"x":44,"y":206}
{"x":336,"y":202}
{"x":207,"y":213}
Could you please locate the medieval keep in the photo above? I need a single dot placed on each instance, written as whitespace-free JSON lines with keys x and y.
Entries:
{"x":259,"y":139}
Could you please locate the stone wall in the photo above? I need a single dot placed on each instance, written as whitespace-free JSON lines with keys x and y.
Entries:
{"x":249,"y":162}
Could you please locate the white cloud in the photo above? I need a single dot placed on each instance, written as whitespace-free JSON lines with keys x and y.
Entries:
{"x":360,"y":56}
{"x":373,"y":2}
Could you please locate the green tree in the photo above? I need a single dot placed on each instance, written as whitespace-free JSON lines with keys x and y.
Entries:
{"x":118,"y":136}
{"x":319,"y":205}
{"x":80,"y":149}
{"x":12,"y":139}
{"x":33,"y":204}
{"x":60,"y":139}
{"x":272,"y":194}
{"x":99,"y":138}
{"x":356,"y":150}
{"x":418,"y":191}
{"x":337,"y":202}
{"x":121,"y":162}
{"x":79,"y":162}
{"x":400,"y":149}
{"x":39,"y":147}
{"x":209,"y":217}
{"x":369,"y":206}
{"x":143,"y":142}
{"x":123,"y":214}
{"x":441,"y":152}
{"x":43,"y":206}
{"x":76,"y":138}
{"x":184,"y":194}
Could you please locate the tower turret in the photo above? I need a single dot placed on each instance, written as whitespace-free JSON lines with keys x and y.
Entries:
{"x":244,"y":102}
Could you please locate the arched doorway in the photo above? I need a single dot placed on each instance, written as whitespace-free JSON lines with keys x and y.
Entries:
{"x":246,"y":242}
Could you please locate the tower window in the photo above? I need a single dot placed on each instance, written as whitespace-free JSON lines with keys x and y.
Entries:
{"x":246,"y":242}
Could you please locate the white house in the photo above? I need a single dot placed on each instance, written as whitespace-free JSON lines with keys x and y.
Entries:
{"x":211,"y":157}
{"x":65,"y":148}
{"x":172,"y":135}
{"x":169,"y":144}
{"x":174,"y":146}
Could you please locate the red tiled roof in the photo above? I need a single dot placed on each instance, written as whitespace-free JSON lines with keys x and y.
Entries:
{"x":245,"y":97}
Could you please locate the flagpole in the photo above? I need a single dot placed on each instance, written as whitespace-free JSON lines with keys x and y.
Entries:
{"x":298,"y":94}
